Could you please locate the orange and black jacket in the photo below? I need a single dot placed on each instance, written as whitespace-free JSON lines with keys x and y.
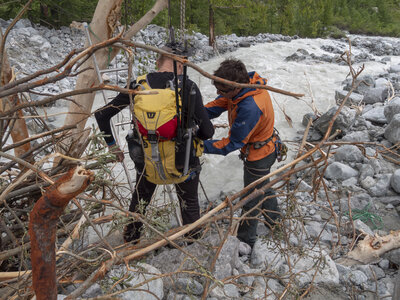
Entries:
{"x":251,"y":119}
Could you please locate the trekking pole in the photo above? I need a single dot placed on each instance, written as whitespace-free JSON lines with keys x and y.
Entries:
{"x":177,"y":207}
{"x":189,"y":133}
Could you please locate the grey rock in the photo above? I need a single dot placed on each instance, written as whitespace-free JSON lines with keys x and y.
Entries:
{"x":392,"y":108}
{"x":316,"y":230}
{"x":174,"y":296}
{"x":382,"y":185}
{"x":368,"y":182}
{"x":226,"y":258}
{"x":365,"y":83}
{"x":384,"y":264}
{"x":392,"y":131}
{"x":357,"y":277}
{"x":348,"y":153}
{"x":376,"y":115}
{"x":393,"y":200}
{"x":362,"y":227}
{"x":366,"y":170}
{"x":354,"y":98}
{"x":307,"y":117}
{"x":190,"y":286}
{"x":350,"y":183}
{"x":394,"y":69}
{"x":339,"y":171}
{"x":260,"y":286}
{"x":265,"y":254}
{"x":375,"y":95}
{"x":395,"y":181}
{"x":343,"y":121}
{"x":344,"y":272}
{"x":244,"y":249}
{"x":244,"y":269}
{"x":154,"y":283}
{"x":327,"y":272}
{"x":228,"y":291}
{"x":373,"y":272}
{"x":356,"y":136}
{"x":393,"y":256}
{"x":23,"y":23}
{"x":382,"y":82}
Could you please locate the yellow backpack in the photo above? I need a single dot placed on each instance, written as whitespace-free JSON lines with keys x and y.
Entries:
{"x":157,"y":122}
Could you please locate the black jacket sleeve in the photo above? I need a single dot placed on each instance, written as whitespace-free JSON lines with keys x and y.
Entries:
{"x":206,"y":128}
{"x":104,"y":114}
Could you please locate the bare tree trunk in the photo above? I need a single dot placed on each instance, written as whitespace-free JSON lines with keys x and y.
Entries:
{"x":211,"y":41}
{"x":104,"y":21}
{"x":19,"y":130}
{"x":43,"y":227}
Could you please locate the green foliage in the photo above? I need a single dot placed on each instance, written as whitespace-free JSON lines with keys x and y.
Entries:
{"x":367,"y":217}
{"x":51,"y":12}
{"x":306,"y":18}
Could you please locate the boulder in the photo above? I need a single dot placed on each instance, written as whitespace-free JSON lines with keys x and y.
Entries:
{"x":392,"y":131}
{"x":395,"y":181}
{"x":375,"y":95}
{"x":392,"y":108}
{"x":343,"y":121}
{"x":339,"y":171}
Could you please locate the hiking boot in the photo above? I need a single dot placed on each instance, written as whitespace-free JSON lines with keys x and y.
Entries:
{"x":131,"y":234}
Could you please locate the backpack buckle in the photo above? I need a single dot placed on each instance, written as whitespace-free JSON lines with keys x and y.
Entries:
{"x":152,"y":137}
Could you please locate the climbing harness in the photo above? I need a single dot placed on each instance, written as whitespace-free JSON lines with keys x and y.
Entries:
{"x":280,"y":148}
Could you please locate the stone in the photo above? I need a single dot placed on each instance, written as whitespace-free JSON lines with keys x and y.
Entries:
{"x":244,"y":249}
{"x":354,"y":98}
{"x":348,"y":153}
{"x":362,"y":227}
{"x":339,"y":171}
{"x":357,"y":277}
{"x":357,"y":136}
{"x":154,"y":283}
{"x":366,"y":170}
{"x":392,"y":109}
{"x":395,"y":181}
{"x":228,"y":291}
{"x":375,"y":95}
{"x":376,"y":115}
{"x":189,"y":285}
{"x":382,"y":185}
{"x":392,"y":131}
{"x":343,"y":121}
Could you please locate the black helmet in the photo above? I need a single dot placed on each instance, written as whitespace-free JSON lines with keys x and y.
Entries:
{"x":177,"y":48}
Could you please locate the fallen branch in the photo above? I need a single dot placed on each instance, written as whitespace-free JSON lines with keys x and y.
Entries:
{"x":370,"y":249}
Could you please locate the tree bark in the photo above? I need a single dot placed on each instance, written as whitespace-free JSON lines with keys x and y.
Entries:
{"x":105,"y":19}
{"x":211,"y":41}
{"x":19,"y":131}
{"x":43,"y":226}
{"x":370,"y":249}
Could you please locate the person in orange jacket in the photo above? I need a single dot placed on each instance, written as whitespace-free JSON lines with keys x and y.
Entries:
{"x":251,"y":122}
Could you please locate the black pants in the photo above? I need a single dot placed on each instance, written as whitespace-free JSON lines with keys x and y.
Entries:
{"x":253,"y":170}
{"x":188,"y":199}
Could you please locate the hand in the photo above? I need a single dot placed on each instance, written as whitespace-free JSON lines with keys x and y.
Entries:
{"x":114,"y":149}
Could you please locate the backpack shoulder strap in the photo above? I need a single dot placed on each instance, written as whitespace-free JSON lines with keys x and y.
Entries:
{"x":142,"y":82}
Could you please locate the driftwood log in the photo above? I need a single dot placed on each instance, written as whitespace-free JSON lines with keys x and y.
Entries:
{"x":42,"y":228}
{"x":370,"y":249}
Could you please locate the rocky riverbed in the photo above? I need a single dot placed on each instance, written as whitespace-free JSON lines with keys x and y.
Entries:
{"x":304,"y":254}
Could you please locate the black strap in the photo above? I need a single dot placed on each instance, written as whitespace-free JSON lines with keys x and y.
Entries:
{"x":257,"y":145}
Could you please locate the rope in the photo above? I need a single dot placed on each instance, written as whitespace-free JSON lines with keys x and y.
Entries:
{"x":183,"y":17}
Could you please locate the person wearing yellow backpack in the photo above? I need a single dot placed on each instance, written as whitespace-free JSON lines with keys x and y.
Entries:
{"x":150,"y":163}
